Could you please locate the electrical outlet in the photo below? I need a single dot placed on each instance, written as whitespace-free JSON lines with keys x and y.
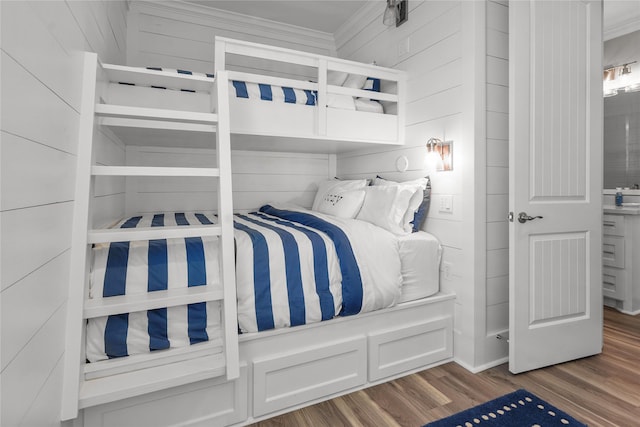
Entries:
{"x":446,"y":270}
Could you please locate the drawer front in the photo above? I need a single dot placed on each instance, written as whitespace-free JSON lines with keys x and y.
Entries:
{"x":613,"y":225}
{"x":613,"y":251}
{"x":215,"y":402}
{"x":311,"y":373}
{"x":614,"y":283}
{"x":395,"y":351}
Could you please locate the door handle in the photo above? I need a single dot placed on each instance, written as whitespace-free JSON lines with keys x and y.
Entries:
{"x":523,"y":217}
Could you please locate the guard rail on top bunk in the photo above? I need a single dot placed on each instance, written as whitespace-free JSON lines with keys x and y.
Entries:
{"x":318,"y":74}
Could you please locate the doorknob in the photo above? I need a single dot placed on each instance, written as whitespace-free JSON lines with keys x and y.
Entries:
{"x":523,"y":217}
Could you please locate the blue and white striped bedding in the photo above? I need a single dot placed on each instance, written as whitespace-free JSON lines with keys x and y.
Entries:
{"x":340,"y":267}
{"x":267,"y":92}
{"x":293,"y":267}
{"x":143,"y":266}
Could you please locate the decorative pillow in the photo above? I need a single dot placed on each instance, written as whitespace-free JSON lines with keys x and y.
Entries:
{"x":336,"y":78}
{"x":385,"y":206}
{"x":372,"y":84}
{"x":370,"y":105}
{"x":336,"y":186}
{"x":344,"y":205}
{"x":342,"y":102}
{"x":419,"y":204}
{"x":355,"y":81}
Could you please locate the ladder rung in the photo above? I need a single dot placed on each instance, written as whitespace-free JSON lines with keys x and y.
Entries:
{"x":120,"y":122}
{"x":120,"y":365}
{"x":108,"y":235}
{"x":125,"y":111}
{"x":153,"y":171}
{"x":125,"y":385}
{"x":118,"y":304}
{"x":145,"y":77}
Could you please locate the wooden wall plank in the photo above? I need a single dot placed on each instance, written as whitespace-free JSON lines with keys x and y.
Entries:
{"x":39,"y":174}
{"x":33,"y":304}
{"x":39,"y":125}
{"x":25,"y":101}
{"x":31,"y":237}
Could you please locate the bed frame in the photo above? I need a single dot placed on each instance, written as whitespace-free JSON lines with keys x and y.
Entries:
{"x":285,"y":369}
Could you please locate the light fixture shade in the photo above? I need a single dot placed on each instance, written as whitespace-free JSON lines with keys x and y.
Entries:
{"x":390,"y":13}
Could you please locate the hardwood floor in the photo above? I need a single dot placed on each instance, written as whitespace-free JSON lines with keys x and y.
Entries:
{"x":602,"y":390}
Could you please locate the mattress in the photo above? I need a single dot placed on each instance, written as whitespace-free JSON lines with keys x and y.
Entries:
{"x":420,"y":255}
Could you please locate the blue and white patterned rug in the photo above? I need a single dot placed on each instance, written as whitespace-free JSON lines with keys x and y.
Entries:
{"x":518,"y":409}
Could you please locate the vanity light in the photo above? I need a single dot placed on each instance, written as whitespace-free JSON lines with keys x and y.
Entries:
{"x":620,"y":77}
{"x":439,"y":154}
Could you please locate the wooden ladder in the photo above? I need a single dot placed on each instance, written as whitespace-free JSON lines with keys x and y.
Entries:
{"x":89,"y":384}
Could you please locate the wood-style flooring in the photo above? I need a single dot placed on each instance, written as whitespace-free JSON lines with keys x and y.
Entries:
{"x":602,"y":390}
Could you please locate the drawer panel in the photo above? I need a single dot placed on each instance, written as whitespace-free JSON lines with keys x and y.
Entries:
{"x":302,"y":376}
{"x":613,"y":225}
{"x":399,"y":350}
{"x":614,"y":283}
{"x":613,"y":251}
{"x":215,"y":402}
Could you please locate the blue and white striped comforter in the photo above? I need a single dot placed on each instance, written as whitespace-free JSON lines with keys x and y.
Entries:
{"x":293,"y":267}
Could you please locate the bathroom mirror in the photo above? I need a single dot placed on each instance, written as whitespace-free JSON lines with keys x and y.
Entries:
{"x":622,"y":118}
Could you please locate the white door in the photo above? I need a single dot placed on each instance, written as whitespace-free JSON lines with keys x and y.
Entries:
{"x":555,"y":172}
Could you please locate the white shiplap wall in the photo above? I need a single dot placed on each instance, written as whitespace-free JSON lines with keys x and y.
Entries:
{"x":497,"y":283}
{"x":182,"y":36}
{"x":457,"y":85}
{"x":40,"y":103}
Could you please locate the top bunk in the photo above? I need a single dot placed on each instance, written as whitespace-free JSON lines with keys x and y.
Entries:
{"x":278,"y":100}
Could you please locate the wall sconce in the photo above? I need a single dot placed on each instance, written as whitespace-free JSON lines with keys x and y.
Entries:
{"x":620,"y":77}
{"x":439,"y":155}
{"x":396,"y":13}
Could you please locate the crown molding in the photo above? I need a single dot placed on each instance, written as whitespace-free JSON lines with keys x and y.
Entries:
{"x":368,"y":13}
{"x":238,"y":22}
{"x":622,"y":29}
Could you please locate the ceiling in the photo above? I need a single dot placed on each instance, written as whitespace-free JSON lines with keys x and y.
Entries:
{"x":329,"y":15}
{"x":320,"y":15}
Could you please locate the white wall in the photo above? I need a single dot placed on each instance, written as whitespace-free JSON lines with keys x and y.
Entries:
{"x":258,"y":178}
{"x":40,"y":104}
{"x":457,"y":78}
{"x":497,"y":202}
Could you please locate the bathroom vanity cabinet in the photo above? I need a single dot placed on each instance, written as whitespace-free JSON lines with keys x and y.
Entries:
{"x":621,"y":258}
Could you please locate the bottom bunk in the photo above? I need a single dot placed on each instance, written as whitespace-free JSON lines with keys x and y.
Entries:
{"x":287,"y":369}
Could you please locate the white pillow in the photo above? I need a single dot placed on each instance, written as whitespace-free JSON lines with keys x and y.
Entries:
{"x":336,"y":78}
{"x":344,"y":205}
{"x":342,"y":102}
{"x":336,"y":186}
{"x":419,"y":185}
{"x":355,"y":81}
{"x":386,"y":206}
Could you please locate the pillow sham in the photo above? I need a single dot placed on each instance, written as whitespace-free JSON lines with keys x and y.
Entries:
{"x":344,"y":205}
{"x":336,"y":186}
{"x":419,"y":205}
{"x":336,"y":78}
{"x":355,"y":81}
{"x":372,"y":84}
{"x":386,"y":205}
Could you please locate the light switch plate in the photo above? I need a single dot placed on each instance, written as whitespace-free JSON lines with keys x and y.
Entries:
{"x":446,"y":203}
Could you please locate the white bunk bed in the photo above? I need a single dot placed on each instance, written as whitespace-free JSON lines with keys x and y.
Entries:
{"x":259,"y":374}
